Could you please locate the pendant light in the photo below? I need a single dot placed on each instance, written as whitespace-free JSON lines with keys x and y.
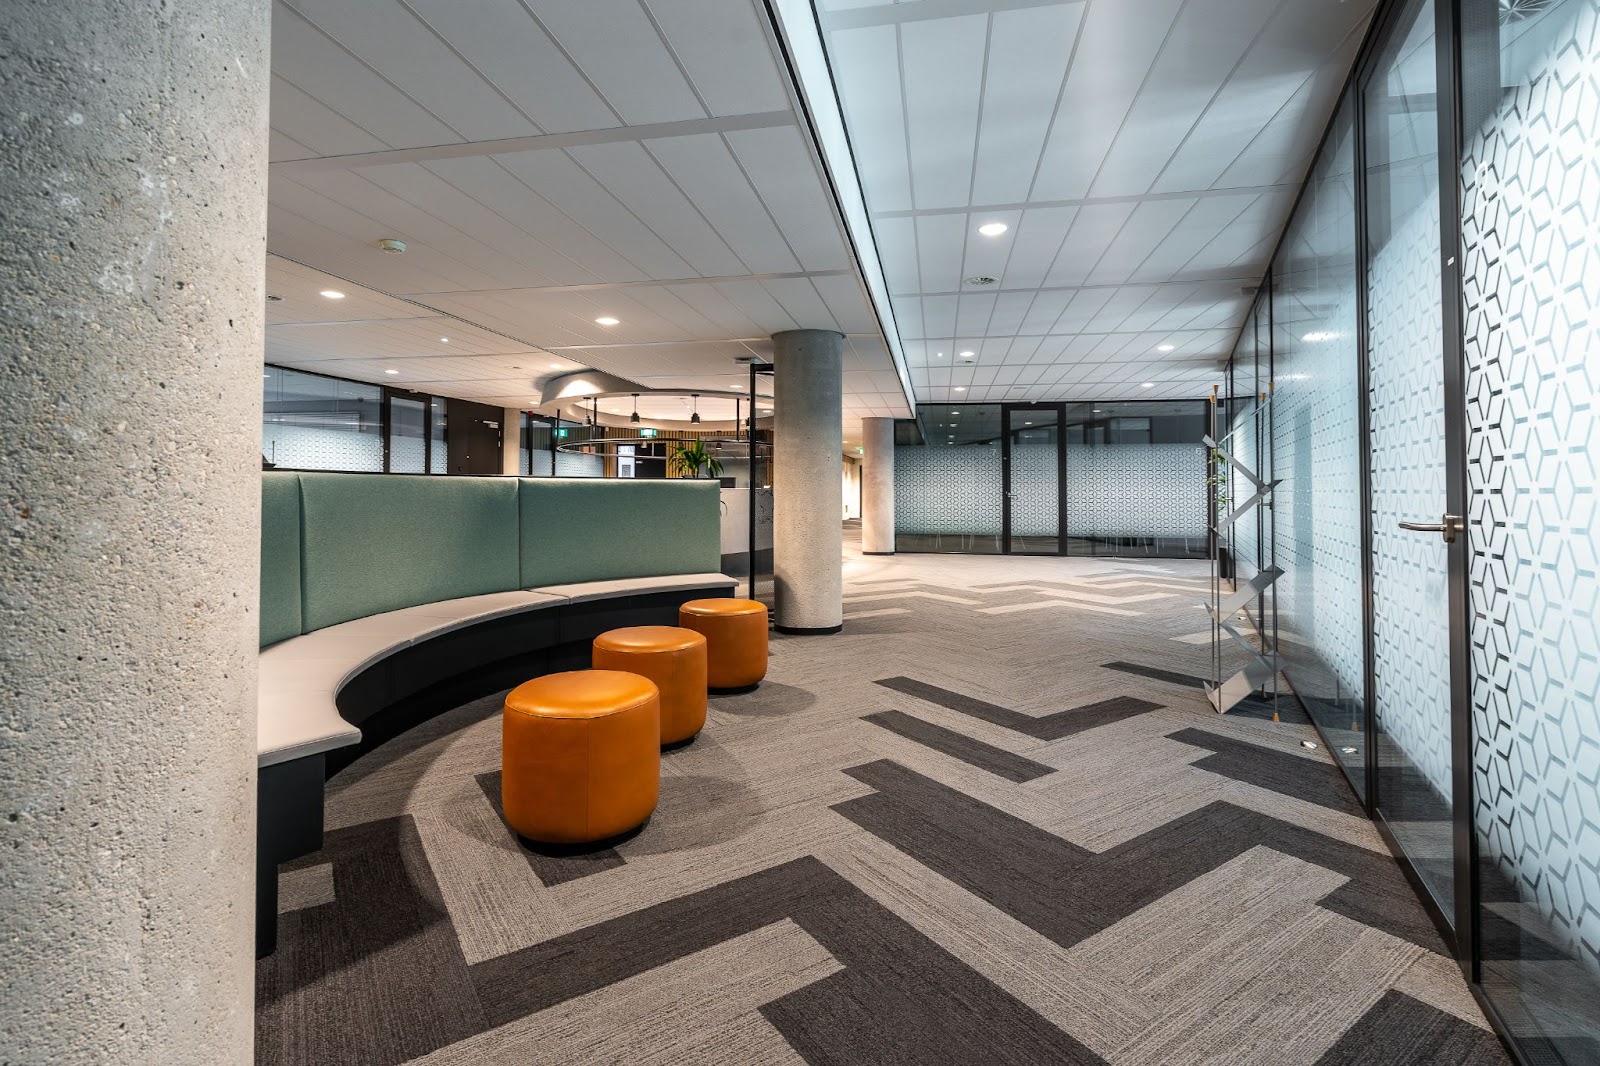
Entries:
{"x":694,"y":418}
{"x":634,"y":418}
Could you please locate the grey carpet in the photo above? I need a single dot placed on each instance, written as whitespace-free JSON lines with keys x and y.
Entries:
{"x":994,"y":820}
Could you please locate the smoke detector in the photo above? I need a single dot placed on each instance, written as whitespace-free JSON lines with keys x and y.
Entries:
{"x":390,"y":246}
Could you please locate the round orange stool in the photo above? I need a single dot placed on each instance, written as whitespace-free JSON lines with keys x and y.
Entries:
{"x":580,"y":755}
{"x":675,"y":659}
{"x":736,"y":639}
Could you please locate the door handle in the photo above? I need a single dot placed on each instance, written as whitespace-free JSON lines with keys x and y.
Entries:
{"x":1449,"y":527}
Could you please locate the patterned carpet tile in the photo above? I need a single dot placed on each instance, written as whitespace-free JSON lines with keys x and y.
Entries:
{"x":994,"y":820}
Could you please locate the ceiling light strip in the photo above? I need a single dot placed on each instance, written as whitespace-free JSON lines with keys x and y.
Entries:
{"x":798,"y":44}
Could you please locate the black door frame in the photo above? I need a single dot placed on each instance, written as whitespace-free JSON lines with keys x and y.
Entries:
{"x":1060,"y":411}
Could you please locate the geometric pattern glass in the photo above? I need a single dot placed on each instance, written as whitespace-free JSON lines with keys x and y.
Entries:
{"x":1531,"y":246}
{"x":1405,"y":397}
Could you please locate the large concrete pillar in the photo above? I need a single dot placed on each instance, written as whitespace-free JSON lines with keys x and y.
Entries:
{"x":877,"y":486}
{"x":132,"y":244}
{"x":807,"y":520}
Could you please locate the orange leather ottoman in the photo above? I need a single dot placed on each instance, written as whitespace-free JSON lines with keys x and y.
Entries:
{"x":736,"y":639}
{"x":581,"y":755}
{"x":675,"y":659}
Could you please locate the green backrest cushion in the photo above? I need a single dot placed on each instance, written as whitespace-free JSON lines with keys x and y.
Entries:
{"x":585,"y":529}
{"x":376,"y":543}
{"x":280,"y":557}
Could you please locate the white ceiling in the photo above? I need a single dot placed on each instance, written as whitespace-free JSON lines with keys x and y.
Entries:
{"x":1144,"y":155}
{"x":548,"y":163}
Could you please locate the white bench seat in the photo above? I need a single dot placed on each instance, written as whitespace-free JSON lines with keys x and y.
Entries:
{"x":584,"y":591}
{"x":300,"y":678}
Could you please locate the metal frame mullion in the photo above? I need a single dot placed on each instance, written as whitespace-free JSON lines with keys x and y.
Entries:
{"x":1451,"y":143}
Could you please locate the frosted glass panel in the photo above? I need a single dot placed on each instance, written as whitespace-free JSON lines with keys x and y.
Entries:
{"x":1136,"y":479}
{"x":1317,"y":453}
{"x":1035,"y":500}
{"x":1531,"y":254}
{"x":947,"y":491}
{"x":438,"y":457}
{"x":407,"y":426}
{"x":1405,"y":336}
{"x":310,"y":422}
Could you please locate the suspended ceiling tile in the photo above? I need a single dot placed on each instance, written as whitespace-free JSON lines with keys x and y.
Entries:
{"x":616,"y":46}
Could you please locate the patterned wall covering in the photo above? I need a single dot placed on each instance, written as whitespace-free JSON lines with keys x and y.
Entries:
{"x":947,"y":490}
{"x":1317,"y":427}
{"x":1531,"y":245}
{"x":1136,"y":490}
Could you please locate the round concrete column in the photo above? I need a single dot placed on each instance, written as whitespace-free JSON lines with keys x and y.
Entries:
{"x":807,"y":450}
{"x":877,"y":486}
{"x":133,"y":158}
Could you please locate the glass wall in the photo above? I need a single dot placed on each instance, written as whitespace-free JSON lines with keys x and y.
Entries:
{"x":1483,"y":639}
{"x":1316,"y":448}
{"x":1134,"y":477}
{"x":1531,"y":283}
{"x":1407,"y":456}
{"x":947,"y":490}
{"x":408,"y":435}
{"x":311,"y":422}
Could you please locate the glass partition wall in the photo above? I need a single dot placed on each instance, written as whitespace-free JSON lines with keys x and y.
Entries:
{"x":1428,"y":340}
{"x":1110,"y":478}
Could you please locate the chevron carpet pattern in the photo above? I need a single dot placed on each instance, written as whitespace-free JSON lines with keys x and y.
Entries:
{"x":993,"y":821}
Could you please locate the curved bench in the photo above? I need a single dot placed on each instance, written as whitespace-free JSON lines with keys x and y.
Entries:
{"x":386,"y":599}
{"x":327,"y":696}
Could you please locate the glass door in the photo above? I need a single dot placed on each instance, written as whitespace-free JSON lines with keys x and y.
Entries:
{"x":1409,"y":461}
{"x":1033,"y":462}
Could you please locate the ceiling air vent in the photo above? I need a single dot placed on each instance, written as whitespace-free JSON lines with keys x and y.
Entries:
{"x":981,"y":279}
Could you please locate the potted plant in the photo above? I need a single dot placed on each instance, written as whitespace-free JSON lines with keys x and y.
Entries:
{"x":688,"y":460}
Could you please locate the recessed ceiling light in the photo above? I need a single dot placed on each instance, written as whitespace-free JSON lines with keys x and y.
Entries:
{"x":961,"y":388}
{"x":444,"y":340}
{"x":555,"y":366}
{"x":333,"y":294}
{"x":738,"y":385}
{"x":1147,"y":385}
{"x":1165,"y":347}
{"x":1027,"y":423}
{"x":992,"y":229}
{"x":607,"y":320}
{"x":1097,"y":410}
{"x":966,"y":355}
{"x":391,"y":371}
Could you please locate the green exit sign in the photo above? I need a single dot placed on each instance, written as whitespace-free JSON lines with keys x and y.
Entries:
{"x":561,"y":433}
{"x":647,"y":433}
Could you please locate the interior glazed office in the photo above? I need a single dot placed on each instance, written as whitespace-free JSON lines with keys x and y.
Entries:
{"x":813,"y":531}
